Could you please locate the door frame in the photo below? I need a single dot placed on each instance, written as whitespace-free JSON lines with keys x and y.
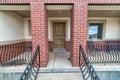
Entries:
{"x":58,"y":19}
{"x":64,"y":30}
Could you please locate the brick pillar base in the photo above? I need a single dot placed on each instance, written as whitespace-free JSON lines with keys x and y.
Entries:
{"x":39,"y":31}
{"x":79,"y":30}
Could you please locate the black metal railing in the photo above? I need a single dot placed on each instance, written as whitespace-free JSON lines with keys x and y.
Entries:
{"x":32,"y":69}
{"x":104,"y":53}
{"x":15,"y":54}
{"x":86,"y":67}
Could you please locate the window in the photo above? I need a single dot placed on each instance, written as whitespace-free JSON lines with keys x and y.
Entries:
{"x":95,"y":30}
{"x":29,"y":27}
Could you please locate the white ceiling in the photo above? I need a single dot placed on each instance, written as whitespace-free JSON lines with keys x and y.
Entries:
{"x":104,"y":10}
{"x":24,"y":14}
{"x":104,"y":13}
{"x":67,"y":13}
{"x":15,"y":7}
{"x":59,"y":13}
{"x":65,"y":10}
{"x":59,"y":7}
{"x":104,"y":7}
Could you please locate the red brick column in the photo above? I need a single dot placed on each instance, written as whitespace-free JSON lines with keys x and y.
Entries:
{"x":79,"y":30}
{"x":39,"y":30}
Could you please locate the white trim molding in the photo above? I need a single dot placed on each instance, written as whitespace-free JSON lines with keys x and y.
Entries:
{"x":15,"y":7}
{"x":26,"y":29}
{"x":109,"y":7}
{"x":57,"y":19}
{"x":11,"y":42}
{"x":59,"y":7}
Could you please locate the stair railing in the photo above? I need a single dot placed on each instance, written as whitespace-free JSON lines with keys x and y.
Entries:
{"x":86,"y":67}
{"x":103,"y":53}
{"x":15,"y":54}
{"x":32,"y":69}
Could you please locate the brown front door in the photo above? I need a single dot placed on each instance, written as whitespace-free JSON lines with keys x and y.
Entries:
{"x":59,"y":34}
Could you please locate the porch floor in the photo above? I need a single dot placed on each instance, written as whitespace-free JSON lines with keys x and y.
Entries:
{"x":59,"y":61}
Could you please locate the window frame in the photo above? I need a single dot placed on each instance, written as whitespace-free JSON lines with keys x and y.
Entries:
{"x":103,"y":30}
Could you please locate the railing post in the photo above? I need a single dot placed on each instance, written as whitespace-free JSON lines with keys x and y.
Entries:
{"x":39,"y":56}
{"x":32,"y":69}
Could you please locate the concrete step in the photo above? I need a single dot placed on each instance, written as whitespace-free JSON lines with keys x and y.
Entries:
{"x":59,"y":76}
{"x":59,"y":50}
{"x":60,"y":70}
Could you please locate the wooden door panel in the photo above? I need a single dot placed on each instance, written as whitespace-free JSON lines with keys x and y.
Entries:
{"x":59,"y":35}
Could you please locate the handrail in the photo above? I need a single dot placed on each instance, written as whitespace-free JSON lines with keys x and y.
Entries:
{"x":15,"y":54}
{"x":86,"y":67}
{"x":103,"y":53}
{"x":32,"y":69}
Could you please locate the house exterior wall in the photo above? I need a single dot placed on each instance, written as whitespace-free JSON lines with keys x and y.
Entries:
{"x":103,"y":1}
{"x":39,"y":27}
{"x":111,"y":27}
{"x":60,"y":1}
{"x":119,"y":29}
{"x":57,"y":19}
{"x":27,"y":36}
{"x":11,"y":35}
{"x":40,"y":30}
{"x":11,"y":27}
{"x":78,"y":25}
{"x":50,"y":31}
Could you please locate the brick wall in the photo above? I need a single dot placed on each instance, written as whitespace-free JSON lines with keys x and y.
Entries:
{"x":39,"y":27}
{"x":104,"y":1}
{"x":14,"y":1}
{"x":79,"y":30}
{"x":79,"y":24}
{"x":50,"y":46}
{"x":61,"y":1}
{"x":67,"y":46}
{"x":39,"y":30}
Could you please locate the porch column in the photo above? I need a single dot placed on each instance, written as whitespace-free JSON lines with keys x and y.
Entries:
{"x":79,"y":30}
{"x":39,"y":30}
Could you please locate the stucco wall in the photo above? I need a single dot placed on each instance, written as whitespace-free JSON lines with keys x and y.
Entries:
{"x":111,"y":28}
{"x":11,"y":26}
